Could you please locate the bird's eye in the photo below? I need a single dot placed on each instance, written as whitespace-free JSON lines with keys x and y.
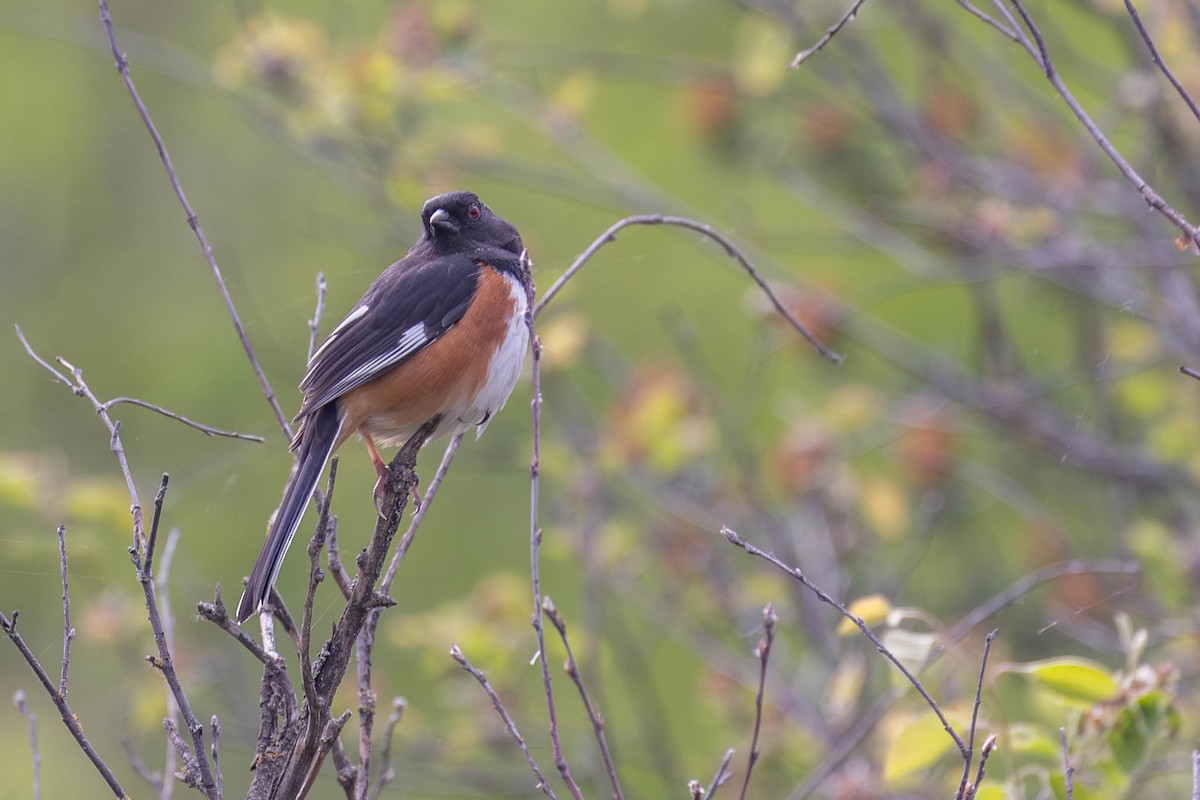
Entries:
{"x":473,"y":211}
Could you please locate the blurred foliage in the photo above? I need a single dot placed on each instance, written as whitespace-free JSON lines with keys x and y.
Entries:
{"x":1013,"y":320}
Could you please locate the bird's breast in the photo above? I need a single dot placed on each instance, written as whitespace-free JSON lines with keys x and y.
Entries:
{"x":466,"y":374}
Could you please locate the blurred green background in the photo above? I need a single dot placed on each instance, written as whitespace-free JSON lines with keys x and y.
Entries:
{"x":1012,"y":316}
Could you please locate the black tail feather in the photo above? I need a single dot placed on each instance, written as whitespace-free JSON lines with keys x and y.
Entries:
{"x":316,"y":442}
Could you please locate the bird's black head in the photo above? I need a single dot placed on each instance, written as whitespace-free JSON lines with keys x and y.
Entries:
{"x":462,"y":217}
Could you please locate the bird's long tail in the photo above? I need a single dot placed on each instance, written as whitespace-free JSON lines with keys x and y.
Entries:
{"x":317,"y":441}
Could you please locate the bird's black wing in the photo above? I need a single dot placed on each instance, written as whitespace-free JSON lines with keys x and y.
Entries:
{"x":411,"y":304}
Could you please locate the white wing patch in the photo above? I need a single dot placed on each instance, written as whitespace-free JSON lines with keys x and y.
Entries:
{"x":409,"y":342}
{"x":351,"y":317}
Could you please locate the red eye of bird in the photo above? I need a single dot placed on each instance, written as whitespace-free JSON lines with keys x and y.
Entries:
{"x":473,"y":211}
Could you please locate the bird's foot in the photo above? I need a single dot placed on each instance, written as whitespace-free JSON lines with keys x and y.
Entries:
{"x":381,"y":485}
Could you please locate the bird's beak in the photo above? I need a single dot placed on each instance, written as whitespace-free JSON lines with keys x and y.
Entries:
{"x":441,"y":220}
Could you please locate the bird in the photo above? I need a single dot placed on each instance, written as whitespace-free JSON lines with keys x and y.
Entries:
{"x":440,"y":334}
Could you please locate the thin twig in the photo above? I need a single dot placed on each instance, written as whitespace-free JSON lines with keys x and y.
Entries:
{"x":31,"y":719}
{"x":216,"y":613}
{"x":205,"y":429}
{"x":1068,"y":770}
{"x":535,"y":530}
{"x":1023,"y":586}
{"x":333,"y":558}
{"x":1196,"y":775}
{"x":366,"y":709}
{"x":164,"y":602}
{"x":597,"y":720}
{"x":314,"y":324}
{"x":1191,"y":234}
{"x":989,"y":745}
{"x":152,"y":777}
{"x":1191,"y":373}
{"x":1158,"y":61}
{"x":966,"y":776}
{"x":726,"y":244}
{"x":866,"y":723}
{"x":457,"y":654}
{"x":830,"y":32}
{"x":215,"y":727}
{"x":68,"y":631}
{"x":190,"y":774}
{"x":386,"y":771}
{"x":122,"y":65}
{"x":721,"y":776}
{"x":81,"y":389}
{"x":68,"y":716}
{"x":763,"y":651}
{"x":315,"y":576}
{"x":799,"y":575}
{"x":164,"y":663}
{"x":987,"y":19}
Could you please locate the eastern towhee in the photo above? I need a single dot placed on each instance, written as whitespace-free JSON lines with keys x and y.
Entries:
{"x":441,"y":333}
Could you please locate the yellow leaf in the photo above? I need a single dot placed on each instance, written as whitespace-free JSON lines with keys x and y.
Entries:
{"x":873,"y":609}
{"x":885,"y":506}
{"x":762,"y":50}
{"x":563,"y":337}
{"x":914,"y":747}
{"x":19,"y":480}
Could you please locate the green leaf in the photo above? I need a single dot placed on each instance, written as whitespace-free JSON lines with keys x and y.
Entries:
{"x":1074,"y":680}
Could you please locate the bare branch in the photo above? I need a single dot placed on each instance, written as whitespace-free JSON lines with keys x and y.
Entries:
{"x":215,"y":728}
{"x":152,"y":777}
{"x":31,"y":719}
{"x":77,"y":385}
{"x":572,"y":669}
{"x":314,"y":324}
{"x":301,"y":748}
{"x":987,"y":19}
{"x":68,"y":716}
{"x":216,"y":613}
{"x":966,"y":776}
{"x":190,"y":774}
{"x":858,"y":622}
{"x":730,"y":249}
{"x":1152,"y":198}
{"x":315,"y":576}
{"x":164,"y":662}
{"x":164,"y":602}
{"x":535,"y":530}
{"x":1023,"y":586}
{"x":386,"y":772}
{"x":509,"y":725}
{"x":1068,"y":770}
{"x":205,"y":429}
{"x":122,"y":65}
{"x":721,"y":776}
{"x":830,"y":32}
{"x":1158,"y":61}
{"x":68,"y":631}
{"x":763,"y":651}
